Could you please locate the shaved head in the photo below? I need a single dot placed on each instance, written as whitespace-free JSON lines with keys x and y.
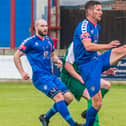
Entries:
{"x":40,"y":21}
{"x":41,"y":27}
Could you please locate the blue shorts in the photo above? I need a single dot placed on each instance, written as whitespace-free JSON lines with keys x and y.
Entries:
{"x":91,"y":71}
{"x":49,"y":84}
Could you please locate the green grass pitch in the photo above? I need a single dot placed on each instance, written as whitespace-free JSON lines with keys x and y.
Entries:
{"x":21,"y":104}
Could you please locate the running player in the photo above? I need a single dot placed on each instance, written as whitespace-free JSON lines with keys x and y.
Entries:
{"x":71,"y":77}
{"x":39,"y":51}
{"x":90,"y":64}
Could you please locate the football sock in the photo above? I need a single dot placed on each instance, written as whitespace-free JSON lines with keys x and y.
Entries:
{"x":89,"y":103}
{"x":90,"y":116}
{"x":52,"y":111}
{"x":61,"y":107}
{"x":104,"y":91}
{"x":96,"y":123}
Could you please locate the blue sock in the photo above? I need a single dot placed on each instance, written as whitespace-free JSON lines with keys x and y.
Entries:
{"x":90,"y":116}
{"x":61,"y":107}
{"x":52,"y":111}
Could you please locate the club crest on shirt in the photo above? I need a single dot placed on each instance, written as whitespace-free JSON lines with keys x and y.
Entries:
{"x":46,"y":53}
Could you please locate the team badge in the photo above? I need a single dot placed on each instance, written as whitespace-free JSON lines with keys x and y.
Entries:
{"x":46,"y":53}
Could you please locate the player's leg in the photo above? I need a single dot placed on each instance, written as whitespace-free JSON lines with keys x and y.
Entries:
{"x":105,"y":86}
{"x":61,"y":107}
{"x":91,"y":75}
{"x":86,"y":94}
{"x":117,"y":54}
{"x":60,"y":103}
{"x":94,"y":105}
{"x":92,"y":111}
{"x":53,"y":88}
{"x":78,"y":90}
{"x":89,"y":101}
{"x":68,"y":97}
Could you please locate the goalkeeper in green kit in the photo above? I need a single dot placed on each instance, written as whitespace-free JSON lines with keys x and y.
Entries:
{"x":72,"y":78}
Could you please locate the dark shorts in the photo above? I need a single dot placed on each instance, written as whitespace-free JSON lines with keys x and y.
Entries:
{"x":50,"y":85}
{"x":75,"y":86}
{"x":91,"y":72}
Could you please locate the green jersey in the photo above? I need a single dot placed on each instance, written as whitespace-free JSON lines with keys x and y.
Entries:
{"x":75,"y":86}
{"x":69,"y":57}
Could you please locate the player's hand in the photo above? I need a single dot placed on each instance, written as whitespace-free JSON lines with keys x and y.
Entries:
{"x":110,"y":71}
{"x":113,"y":44}
{"x":25,"y":76}
{"x":124,"y":46}
{"x":59,"y":64}
{"x":81,"y":80}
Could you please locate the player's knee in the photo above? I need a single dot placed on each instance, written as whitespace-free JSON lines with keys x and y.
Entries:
{"x":68,"y":97}
{"x":97,"y":101}
{"x":108,"y":85}
{"x":97,"y":104}
{"x":58,"y":97}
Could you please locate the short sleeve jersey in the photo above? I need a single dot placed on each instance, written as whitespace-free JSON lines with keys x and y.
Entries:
{"x":38,"y":52}
{"x":85,"y":30}
{"x":70,"y":58}
{"x":70,"y":54}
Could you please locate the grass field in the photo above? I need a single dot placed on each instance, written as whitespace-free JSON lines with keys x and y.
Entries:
{"x":21,"y":104}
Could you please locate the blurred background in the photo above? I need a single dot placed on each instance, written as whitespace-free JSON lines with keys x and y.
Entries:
{"x":17,"y":19}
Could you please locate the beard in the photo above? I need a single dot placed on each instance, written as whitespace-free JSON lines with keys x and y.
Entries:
{"x":42,"y":33}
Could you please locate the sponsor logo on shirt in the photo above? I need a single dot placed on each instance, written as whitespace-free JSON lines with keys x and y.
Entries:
{"x":84,"y":26}
{"x":85,"y":35}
